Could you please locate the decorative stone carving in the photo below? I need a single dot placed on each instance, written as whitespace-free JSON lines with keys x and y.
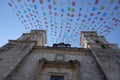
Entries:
{"x":59,"y":57}
{"x":62,"y":45}
{"x":70,"y":70}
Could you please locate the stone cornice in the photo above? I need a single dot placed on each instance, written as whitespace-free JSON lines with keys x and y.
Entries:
{"x":63,"y":49}
{"x":79,"y":51}
{"x":22,"y":41}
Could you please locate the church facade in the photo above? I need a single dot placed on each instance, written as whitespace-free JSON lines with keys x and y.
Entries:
{"x":28,"y":59}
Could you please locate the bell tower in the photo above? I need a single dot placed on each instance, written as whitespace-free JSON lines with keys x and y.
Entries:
{"x":91,"y":38}
{"x":106,"y":54}
{"x":39,"y":36}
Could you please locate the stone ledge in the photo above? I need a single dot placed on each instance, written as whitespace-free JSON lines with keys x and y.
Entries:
{"x":65,"y":49}
{"x":22,"y":41}
{"x":52,"y":50}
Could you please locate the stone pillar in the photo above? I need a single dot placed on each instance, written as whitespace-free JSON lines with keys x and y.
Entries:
{"x":41,"y":63}
{"x":77,"y":68}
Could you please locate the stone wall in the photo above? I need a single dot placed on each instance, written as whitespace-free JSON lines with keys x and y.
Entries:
{"x":109,"y":59}
{"x":29,"y":67}
{"x":11,"y":57}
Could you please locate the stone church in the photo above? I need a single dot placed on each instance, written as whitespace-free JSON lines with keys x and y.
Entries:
{"x":28,"y":59}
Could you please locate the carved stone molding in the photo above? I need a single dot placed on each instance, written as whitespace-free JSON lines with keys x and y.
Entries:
{"x":47,"y":68}
{"x":59,"y":57}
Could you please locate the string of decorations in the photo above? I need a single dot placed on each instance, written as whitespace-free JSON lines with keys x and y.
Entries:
{"x":64,"y":19}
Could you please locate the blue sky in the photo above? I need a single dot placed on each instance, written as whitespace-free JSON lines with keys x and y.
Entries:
{"x":11,"y":26}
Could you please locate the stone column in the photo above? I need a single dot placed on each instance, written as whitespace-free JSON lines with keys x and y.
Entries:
{"x":37,"y":75}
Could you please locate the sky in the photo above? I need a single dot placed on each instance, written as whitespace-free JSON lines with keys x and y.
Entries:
{"x":62,"y":21}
